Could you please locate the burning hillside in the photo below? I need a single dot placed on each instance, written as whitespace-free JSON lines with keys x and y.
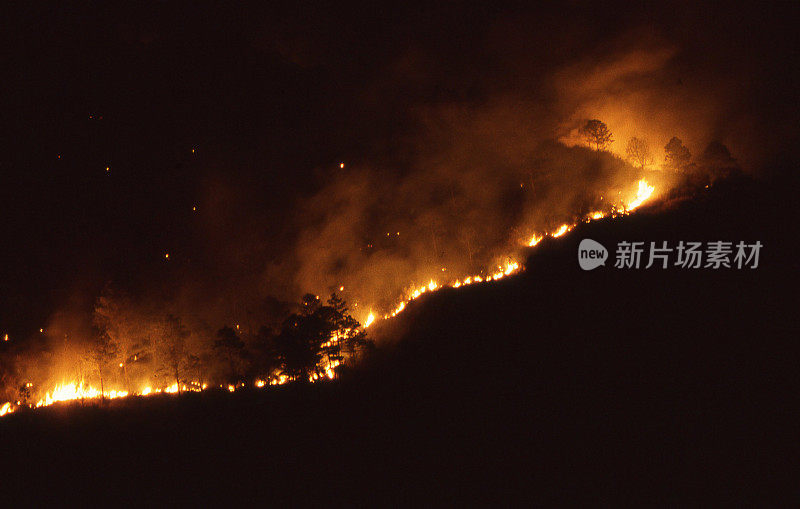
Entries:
{"x":323,"y":368}
{"x":418,"y":180}
{"x":271,"y":245}
{"x":443,"y":232}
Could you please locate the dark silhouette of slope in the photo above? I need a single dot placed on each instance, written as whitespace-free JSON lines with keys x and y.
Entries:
{"x":558,"y":385}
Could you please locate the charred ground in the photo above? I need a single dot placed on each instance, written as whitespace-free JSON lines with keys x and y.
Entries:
{"x":558,"y":384}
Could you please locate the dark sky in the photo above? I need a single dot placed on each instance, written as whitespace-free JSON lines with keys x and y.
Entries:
{"x":270,"y":100}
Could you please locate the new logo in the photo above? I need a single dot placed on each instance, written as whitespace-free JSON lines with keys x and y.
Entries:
{"x":591,"y":254}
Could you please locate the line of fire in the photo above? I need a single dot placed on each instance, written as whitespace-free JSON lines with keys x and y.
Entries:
{"x":134,"y":359}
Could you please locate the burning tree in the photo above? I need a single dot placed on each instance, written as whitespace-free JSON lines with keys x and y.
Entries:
{"x":597,"y":134}
{"x":351,"y":338}
{"x":638,"y":152}
{"x":318,"y":332}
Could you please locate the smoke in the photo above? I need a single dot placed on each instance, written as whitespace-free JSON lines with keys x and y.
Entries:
{"x":481,"y":176}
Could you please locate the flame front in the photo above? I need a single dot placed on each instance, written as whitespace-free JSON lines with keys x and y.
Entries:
{"x":644,"y":193}
{"x":78,"y":391}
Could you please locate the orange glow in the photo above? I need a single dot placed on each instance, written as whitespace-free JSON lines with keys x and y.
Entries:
{"x":644,"y":192}
{"x":432,"y":286}
{"x":72,"y":391}
{"x":535,"y":240}
{"x":442,"y":278}
{"x":564,"y":228}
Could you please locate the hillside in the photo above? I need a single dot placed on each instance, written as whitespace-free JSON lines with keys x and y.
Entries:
{"x":662,"y":385}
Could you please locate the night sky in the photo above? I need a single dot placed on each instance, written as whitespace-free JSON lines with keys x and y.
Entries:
{"x":241,"y":112}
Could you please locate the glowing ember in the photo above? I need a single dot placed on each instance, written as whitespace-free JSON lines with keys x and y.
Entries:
{"x":6,"y":409}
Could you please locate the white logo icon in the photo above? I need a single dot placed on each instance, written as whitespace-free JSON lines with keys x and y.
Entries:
{"x":591,"y":254}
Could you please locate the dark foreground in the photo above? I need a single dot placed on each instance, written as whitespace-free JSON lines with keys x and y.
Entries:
{"x":645,"y":386}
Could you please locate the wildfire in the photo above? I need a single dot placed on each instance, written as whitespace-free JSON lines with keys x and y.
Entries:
{"x":642,"y":195}
{"x":72,"y":391}
{"x":78,"y":391}
{"x":535,"y":240}
{"x":564,"y":228}
{"x":415,"y":292}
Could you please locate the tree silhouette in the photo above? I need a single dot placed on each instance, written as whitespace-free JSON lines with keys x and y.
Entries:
{"x":299,"y":344}
{"x":335,"y":314}
{"x":597,"y":134}
{"x":265,"y":355}
{"x":322,"y":336}
{"x":131,"y":330}
{"x":676,"y":156}
{"x":352,"y":338}
{"x":638,"y":152}
{"x":171,"y":349}
{"x":717,"y":155}
{"x":231,"y":347}
{"x":103,"y":352}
